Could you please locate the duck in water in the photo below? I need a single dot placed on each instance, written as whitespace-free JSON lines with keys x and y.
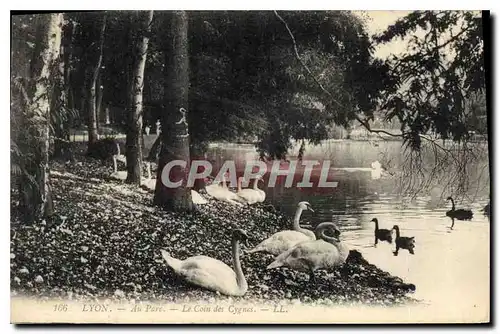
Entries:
{"x":486,"y":210}
{"x":381,"y":234}
{"x":407,"y":243}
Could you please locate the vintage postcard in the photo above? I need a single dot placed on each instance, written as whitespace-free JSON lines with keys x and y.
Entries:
{"x":250,"y":167}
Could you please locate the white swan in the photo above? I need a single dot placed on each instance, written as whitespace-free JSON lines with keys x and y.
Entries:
{"x":213,"y":274}
{"x":212,"y":187}
{"x":326,"y":252}
{"x":260,"y":191}
{"x":121,"y":158}
{"x":284,"y":240}
{"x":197,"y":198}
{"x":119,"y":175}
{"x":222,"y":193}
{"x":148,"y":182}
{"x":251,"y":196}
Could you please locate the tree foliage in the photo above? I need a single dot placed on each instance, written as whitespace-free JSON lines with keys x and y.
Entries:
{"x":439,"y":99}
{"x":441,"y":70}
{"x":245,"y":80}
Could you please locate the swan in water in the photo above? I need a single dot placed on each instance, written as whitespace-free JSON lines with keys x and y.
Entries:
{"x":324,"y":253}
{"x":222,"y":193}
{"x":407,"y":243}
{"x":250,"y":195}
{"x":284,"y":240}
{"x":459,"y":214}
{"x":381,"y":234}
{"x":213,"y":274}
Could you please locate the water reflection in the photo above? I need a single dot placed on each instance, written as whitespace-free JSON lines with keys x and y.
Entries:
{"x":357,"y":195}
{"x":445,"y":262}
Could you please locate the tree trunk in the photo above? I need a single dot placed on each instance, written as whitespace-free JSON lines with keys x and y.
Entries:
{"x":36,"y":199}
{"x":198,"y":151}
{"x":100,"y":93}
{"x":68,"y":64}
{"x":92,"y":119}
{"x":134,"y":133}
{"x":61,"y":102}
{"x":175,"y":135}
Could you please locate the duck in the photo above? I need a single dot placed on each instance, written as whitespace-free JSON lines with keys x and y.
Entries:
{"x":327,"y":252}
{"x":486,"y":210}
{"x":249,"y":195}
{"x":222,"y":193}
{"x":381,"y":234}
{"x":407,"y":243}
{"x":282,"y":241}
{"x":459,"y":214}
{"x":213,"y":274}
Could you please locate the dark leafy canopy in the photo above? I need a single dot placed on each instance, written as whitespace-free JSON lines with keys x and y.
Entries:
{"x":438,"y":75}
{"x":246,"y":79}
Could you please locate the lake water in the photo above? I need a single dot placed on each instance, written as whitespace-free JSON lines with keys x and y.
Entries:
{"x":449,"y":267}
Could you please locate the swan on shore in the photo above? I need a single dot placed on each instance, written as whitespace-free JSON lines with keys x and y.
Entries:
{"x":249,"y":195}
{"x":324,"y":253}
{"x":213,"y":274}
{"x":284,"y":240}
{"x":222,"y":193}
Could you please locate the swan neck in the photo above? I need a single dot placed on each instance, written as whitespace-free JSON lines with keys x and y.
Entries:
{"x":255,"y":184}
{"x":296,"y":219}
{"x":376,"y":225}
{"x":327,"y":238}
{"x":452,"y":203}
{"x":397,"y":232}
{"x":240,"y":277}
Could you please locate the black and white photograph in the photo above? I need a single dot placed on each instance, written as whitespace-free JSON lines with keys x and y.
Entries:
{"x":250,"y":166}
